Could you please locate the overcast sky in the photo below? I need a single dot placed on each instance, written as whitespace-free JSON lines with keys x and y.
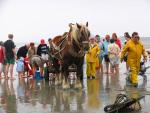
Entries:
{"x":31,"y":20}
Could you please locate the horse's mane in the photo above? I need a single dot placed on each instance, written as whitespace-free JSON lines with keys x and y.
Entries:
{"x":76,"y":32}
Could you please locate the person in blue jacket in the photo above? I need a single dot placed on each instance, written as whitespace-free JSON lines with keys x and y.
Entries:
{"x":20,"y":67}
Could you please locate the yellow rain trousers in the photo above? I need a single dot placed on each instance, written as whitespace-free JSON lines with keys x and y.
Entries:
{"x":92,"y":59}
{"x":135,"y":50}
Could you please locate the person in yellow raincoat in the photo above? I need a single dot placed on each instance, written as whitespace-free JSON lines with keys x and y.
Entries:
{"x":135,"y":49}
{"x":92,"y":58}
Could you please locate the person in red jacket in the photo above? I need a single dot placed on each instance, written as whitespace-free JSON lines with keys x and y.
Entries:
{"x":2,"y":55}
{"x":116,"y":39}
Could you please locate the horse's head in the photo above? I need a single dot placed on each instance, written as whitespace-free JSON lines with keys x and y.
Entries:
{"x":80,"y":35}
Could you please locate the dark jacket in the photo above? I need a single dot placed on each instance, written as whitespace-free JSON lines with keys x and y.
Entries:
{"x":9,"y":46}
{"x":42,"y":49}
{"x":22,"y":52}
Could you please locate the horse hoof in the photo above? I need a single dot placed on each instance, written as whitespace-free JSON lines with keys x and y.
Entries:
{"x":78,"y":86}
{"x":59,"y":82}
{"x":56,"y":82}
{"x":51,"y":83}
{"x":65,"y":86}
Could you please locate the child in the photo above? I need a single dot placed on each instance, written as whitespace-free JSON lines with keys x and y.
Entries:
{"x":2,"y":55}
{"x":27,"y":67}
{"x":20,"y":67}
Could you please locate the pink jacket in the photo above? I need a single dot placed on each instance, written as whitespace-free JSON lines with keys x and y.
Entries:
{"x":118,"y":42}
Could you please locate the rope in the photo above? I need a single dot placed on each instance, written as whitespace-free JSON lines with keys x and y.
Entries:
{"x":59,"y":50}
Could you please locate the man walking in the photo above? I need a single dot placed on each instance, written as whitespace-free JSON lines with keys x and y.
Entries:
{"x":135,"y":49}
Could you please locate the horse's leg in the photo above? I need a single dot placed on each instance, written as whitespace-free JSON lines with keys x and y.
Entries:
{"x":79,"y":64}
{"x":78,"y":82}
{"x":79,"y":73}
{"x":65,"y":83}
{"x":55,"y":69}
{"x":58,"y":78}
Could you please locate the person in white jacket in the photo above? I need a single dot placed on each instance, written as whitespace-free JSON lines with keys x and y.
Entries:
{"x":113,"y":54}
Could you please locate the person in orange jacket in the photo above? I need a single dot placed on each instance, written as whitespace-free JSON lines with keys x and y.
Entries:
{"x":92,"y":58}
{"x":135,"y":49}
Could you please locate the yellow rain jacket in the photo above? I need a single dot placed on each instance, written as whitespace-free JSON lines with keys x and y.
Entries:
{"x":135,"y":50}
{"x":92,"y":59}
{"x":93,"y":53}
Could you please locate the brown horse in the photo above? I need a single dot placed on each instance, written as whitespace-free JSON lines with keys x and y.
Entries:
{"x":70,"y":49}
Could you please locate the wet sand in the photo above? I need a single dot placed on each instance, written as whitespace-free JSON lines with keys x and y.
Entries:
{"x":24,"y":96}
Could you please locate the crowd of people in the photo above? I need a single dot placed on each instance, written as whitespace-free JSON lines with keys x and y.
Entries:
{"x":113,"y":52}
{"x":9,"y":54}
{"x":108,"y":50}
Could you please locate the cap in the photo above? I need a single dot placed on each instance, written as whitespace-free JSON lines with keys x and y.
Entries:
{"x":49,"y":39}
{"x":31,"y":43}
{"x":42,"y":41}
{"x":92,"y":38}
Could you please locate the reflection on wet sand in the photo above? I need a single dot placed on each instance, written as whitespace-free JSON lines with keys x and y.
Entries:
{"x":31,"y":96}
{"x":8,"y":97}
{"x":93,"y":100}
{"x":35,"y":96}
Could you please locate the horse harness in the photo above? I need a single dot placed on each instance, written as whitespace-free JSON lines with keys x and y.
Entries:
{"x":58,"y":48}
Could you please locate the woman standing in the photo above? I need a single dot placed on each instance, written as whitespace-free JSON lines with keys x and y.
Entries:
{"x":101,"y":55}
{"x":127,"y":38}
{"x":113,"y":53}
{"x":116,"y":39}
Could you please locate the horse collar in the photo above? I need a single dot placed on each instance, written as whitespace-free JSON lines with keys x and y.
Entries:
{"x":55,"y":46}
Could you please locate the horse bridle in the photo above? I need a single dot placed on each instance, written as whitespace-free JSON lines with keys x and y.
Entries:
{"x":58,"y":48}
